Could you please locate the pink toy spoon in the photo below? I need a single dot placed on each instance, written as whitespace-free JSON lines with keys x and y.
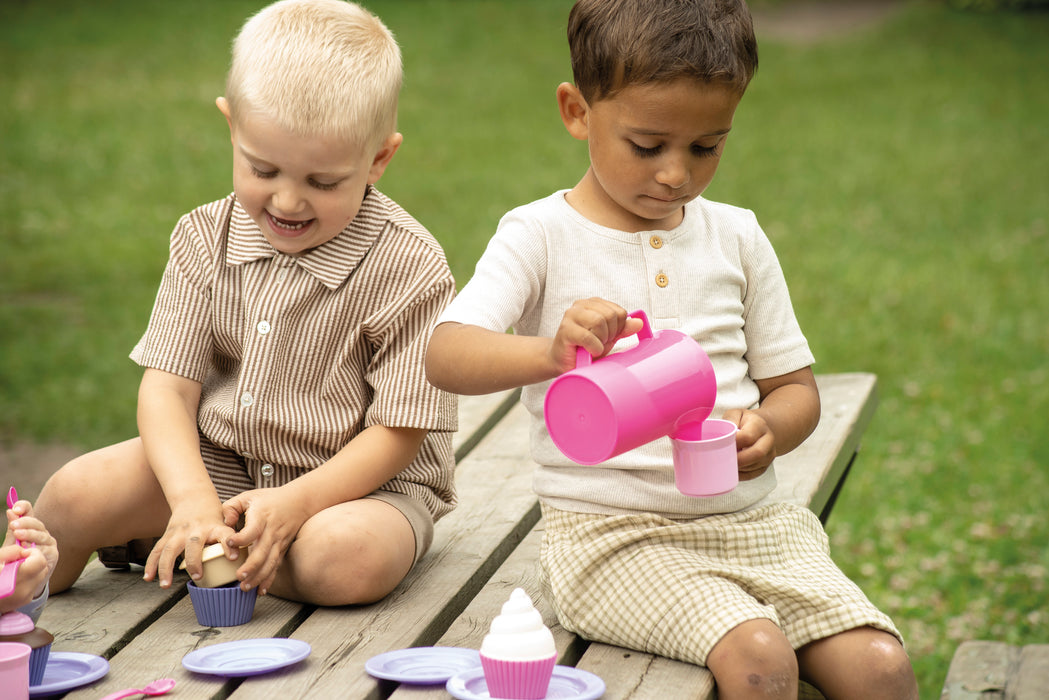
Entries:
{"x":9,"y":574}
{"x":157,"y":687}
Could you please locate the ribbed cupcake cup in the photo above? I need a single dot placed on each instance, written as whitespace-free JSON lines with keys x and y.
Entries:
{"x":37,"y":664}
{"x":224,"y":606}
{"x":518,"y":680}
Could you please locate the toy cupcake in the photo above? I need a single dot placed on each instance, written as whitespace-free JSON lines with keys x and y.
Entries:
{"x":518,"y":653}
{"x":19,"y":627}
{"x":216,"y":596}
{"x":222,"y":606}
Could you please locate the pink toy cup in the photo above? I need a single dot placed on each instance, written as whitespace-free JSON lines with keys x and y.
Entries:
{"x":605,"y":407}
{"x":14,"y":670}
{"x":705,"y":457}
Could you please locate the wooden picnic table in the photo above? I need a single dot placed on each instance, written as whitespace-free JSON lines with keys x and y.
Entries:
{"x":989,"y":670}
{"x":483,"y":550}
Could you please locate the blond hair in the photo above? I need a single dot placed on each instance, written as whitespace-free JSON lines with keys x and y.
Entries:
{"x":318,"y":68}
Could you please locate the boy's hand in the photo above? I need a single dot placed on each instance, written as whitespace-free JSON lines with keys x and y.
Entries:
{"x":755,"y":443}
{"x":22,"y":525}
{"x":272,"y":518}
{"x":593,"y":324}
{"x":189,"y":530}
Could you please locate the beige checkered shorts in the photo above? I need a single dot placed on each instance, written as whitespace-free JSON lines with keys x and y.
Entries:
{"x":675,"y":588}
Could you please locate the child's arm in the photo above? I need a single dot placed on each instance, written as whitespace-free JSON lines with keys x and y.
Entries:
{"x":788,"y":412}
{"x":468,"y":359}
{"x":272,"y":517}
{"x":167,"y":422}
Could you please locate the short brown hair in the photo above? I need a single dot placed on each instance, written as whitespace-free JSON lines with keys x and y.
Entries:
{"x":617,"y":43}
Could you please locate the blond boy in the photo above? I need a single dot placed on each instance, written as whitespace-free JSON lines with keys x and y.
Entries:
{"x":283,"y":384}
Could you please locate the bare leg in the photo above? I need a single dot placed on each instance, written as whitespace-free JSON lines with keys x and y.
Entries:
{"x":102,"y":498}
{"x":354,"y":552}
{"x":860,"y":664}
{"x":754,"y":660}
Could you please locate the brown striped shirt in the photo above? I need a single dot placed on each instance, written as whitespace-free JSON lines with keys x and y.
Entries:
{"x":298,"y":354}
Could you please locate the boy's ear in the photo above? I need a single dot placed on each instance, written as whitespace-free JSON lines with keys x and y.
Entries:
{"x":575,"y":112}
{"x":384,"y":156}
{"x":223,"y":106}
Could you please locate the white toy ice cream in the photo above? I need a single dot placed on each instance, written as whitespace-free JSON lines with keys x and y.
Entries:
{"x":518,"y":653}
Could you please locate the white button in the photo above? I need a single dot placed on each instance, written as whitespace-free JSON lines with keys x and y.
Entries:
{"x":281,"y":274}
{"x":246,"y":399}
{"x":267,"y":470}
{"x":264,"y":327}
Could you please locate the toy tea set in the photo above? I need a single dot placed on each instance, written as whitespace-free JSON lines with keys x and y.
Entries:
{"x":663,"y":386}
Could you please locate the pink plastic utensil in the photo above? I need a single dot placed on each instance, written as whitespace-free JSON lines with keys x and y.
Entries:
{"x":157,"y":687}
{"x":9,"y":574}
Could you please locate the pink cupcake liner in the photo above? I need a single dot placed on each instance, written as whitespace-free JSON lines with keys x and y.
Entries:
{"x":225,"y":606}
{"x":518,"y":680}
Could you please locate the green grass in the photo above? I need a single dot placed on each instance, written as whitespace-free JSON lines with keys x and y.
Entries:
{"x":900,"y":172}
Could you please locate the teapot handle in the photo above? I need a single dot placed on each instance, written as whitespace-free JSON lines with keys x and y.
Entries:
{"x":584,"y":358}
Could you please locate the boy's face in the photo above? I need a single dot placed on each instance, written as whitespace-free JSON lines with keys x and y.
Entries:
{"x":301,"y":191}
{"x":653,"y":148}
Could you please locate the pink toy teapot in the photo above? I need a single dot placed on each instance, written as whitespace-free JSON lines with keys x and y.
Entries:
{"x":610,"y":405}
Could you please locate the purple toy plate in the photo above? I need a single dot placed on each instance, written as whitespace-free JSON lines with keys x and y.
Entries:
{"x":66,"y":670}
{"x":246,"y":657}
{"x":423,"y":665}
{"x":567,"y":683}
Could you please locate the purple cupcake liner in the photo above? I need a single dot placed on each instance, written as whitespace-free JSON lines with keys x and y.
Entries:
{"x":37,"y":664}
{"x":518,"y":680}
{"x":225,"y":606}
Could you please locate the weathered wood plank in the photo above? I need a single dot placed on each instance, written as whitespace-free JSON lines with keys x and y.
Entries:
{"x":1031,"y":680}
{"x":468,"y":630}
{"x":497,"y":509}
{"x":979,"y":671}
{"x":106,"y":607}
{"x":809,"y":474}
{"x":157,"y":651}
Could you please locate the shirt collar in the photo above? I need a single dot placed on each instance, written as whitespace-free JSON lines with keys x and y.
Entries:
{"x":330,"y":263}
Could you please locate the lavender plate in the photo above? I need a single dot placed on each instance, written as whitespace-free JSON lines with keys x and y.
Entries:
{"x":246,"y":657}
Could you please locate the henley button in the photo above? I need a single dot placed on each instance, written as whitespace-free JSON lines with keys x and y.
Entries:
{"x":656,"y":242}
{"x":662,"y":280}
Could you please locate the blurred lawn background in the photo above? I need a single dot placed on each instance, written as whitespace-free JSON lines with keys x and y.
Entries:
{"x":902,"y":173}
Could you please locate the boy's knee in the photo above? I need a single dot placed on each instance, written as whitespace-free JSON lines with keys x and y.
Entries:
{"x":755,"y":660}
{"x":886,"y":665}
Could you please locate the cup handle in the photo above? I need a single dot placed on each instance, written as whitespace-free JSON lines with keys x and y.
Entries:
{"x":582,"y":357}
{"x":646,"y":328}
{"x":585,"y":359}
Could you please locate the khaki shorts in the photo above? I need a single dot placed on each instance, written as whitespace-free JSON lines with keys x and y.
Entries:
{"x":676,"y":588}
{"x":228,"y":473}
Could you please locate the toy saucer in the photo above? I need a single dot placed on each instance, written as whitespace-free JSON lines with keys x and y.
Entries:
{"x":567,"y":683}
{"x":423,"y":665}
{"x":246,"y":657}
{"x":66,"y":670}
